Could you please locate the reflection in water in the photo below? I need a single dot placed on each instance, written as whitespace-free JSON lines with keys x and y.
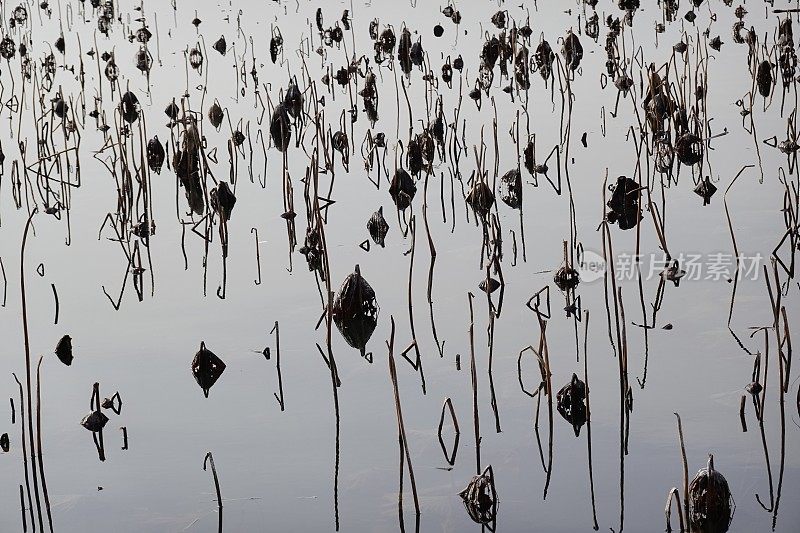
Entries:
{"x":405,"y":453}
{"x":710,"y":502}
{"x":480,"y":499}
{"x":89,"y":79}
{"x":95,"y":421}
{"x":571,"y":403}
{"x":279,"y":395}
{"x":64,"y":350}
{"x":450,"y":457}
{"x":207,"y":368}
{"x":355,"y":311}
{"x":708,"y":505}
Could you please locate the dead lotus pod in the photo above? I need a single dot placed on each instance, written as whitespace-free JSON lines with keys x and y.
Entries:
{"x":342,"y":76}
{"x":312,"y":250}
{"x":785,"y":33}
{"x":571,"y":403}
{"x":511,"y":189}
{"x":143,"y":60}
{"x":417,"y":53}
{"x":275,"y":46}
{"x":489,"y":285}
{"x":371,"y":108}
{"x":129,"y":107}
{"x":402,"y":189}
{"x":221,"y":45}
{"x":206,"y":368}
{"x":20,"y":14}
{"x":427,"y":146}
{"x":566,"y":278}
{"x":738,"y":26}
{"x":64,"y":350}
{"x":339,"y":141}
{"x":706,"y":190}
{"x":764,"y":78}
{"x":112,"y":70}
{"x":387,"y":41}
{"x":155,"y":155}
{"x":480,"y":497}
{"x":592,"y":28}
{"x":572,"y":50}
{"x":437,"y":130}
{"x":481,"y":198}
{"x":172,"y":111}
{"x":754,"y":388}
{"x":689,"y":149}
{"x":293,"y":101}
{"x":373,"y":29}
{"x":624,"y":204}
{"x":499,"y":20}
{"x":370,"y":90}
{"x":95,"y":421}
{"x":404,"y":52}
{"x":280,"y":128}
{"x":664,"y":153}
{"x":335,"y":34}
{"x":7,"y":48}
{"x":103,"y":24}
{"x":370,"y":95}
{"x":788,"y":65}
{"x":544,"y":59}
{"x":414,"y":156}
{"x":623,"y":83}
{"x":490,"y":52}
{"x":186,"y":163}
{"x":355,"y":311}
{"x":378,"y":227}
{"x":528,"y":158}
{"x":216,"y":115}
{"x":485,"y":77}
{"x":222,"y":200}
{"x":318,"y":18}
{"x":60,"y":107}
{"x":711,"y":505}
{"x":238,"y":138}
{"x":143,"y":35}
{"x":521,"y":69}
{"x":196,"y":58}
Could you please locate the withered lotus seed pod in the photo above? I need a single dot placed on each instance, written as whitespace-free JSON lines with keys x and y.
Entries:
{"x":207,"y":368}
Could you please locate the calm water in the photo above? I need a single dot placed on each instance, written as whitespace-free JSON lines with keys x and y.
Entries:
{"x":277,"y":469}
